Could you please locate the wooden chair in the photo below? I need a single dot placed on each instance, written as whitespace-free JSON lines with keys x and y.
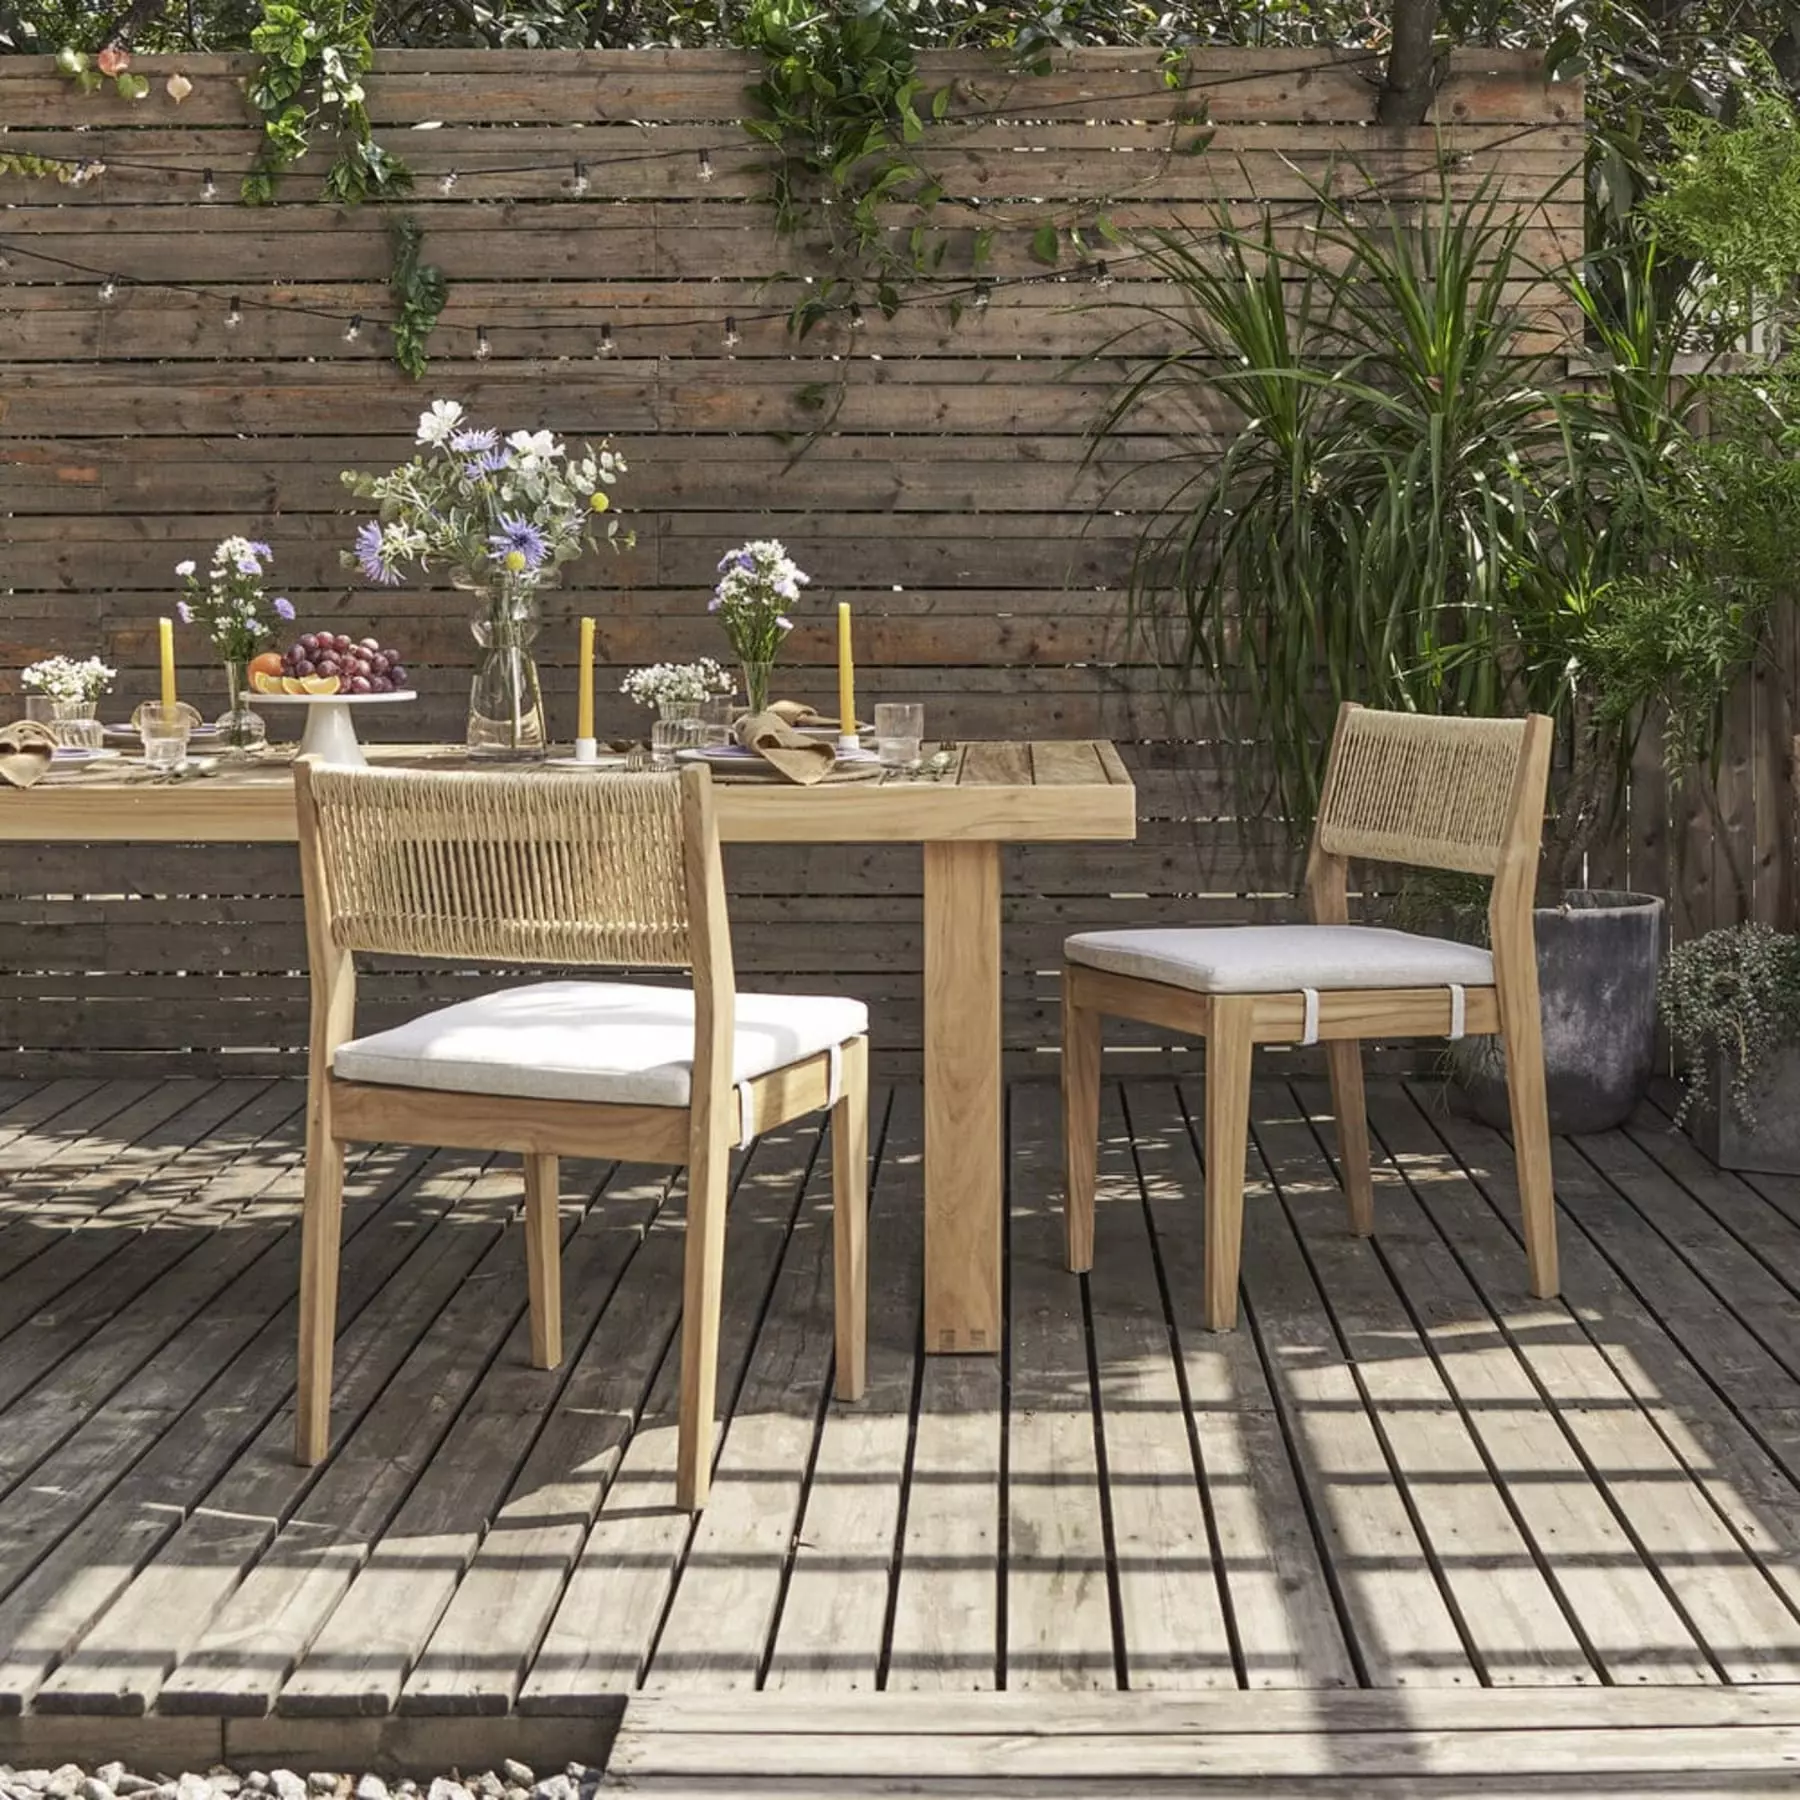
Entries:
{"x":592,"y":870}
{"x":1455,"y":794}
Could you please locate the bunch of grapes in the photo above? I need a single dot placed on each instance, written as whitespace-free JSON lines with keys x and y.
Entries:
{"x":361,"y":666}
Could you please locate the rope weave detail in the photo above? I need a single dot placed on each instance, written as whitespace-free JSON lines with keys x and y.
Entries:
{"x":505,"y":868}
{"x":1436,"y":793}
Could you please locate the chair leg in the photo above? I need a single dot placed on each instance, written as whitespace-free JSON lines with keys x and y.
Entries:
{"x":702,"y":1286}
{"x":543,"y":1260}
{"x":1523,"y":1035}
{"x":1081,"y":1125}
{"x":850,"y":1221}
{"x":321,"y":1230}
{"x":1228,"y":1052}
{"x":1343,"y":1057}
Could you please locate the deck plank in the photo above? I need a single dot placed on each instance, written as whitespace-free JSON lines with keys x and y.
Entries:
{"x":833,"y":1625}
{"x":1059,"y":1599}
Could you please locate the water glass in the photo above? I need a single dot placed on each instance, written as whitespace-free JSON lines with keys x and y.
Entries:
{"x":717,"y":716}
{"x":164,"y":730}
{"x":669,"y":735}
{"x":899,"y":732}
{"x":40,"y":709}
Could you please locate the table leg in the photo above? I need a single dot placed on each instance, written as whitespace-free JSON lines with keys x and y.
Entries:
{"x":964,"y":1102}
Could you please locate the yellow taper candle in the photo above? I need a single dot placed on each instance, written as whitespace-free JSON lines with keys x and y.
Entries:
{"x":585,"y":726}
{"x":165,"y":632}
{"x":846,"y":674}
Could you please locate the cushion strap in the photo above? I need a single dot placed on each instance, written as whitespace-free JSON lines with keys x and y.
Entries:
{"x":1309,"y":1032}
{"x":834,"y":1086}
{"x":744,"y":1115}
{"x":1458,"y":1010}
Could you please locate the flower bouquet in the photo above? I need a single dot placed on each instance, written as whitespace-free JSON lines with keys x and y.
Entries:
{"x":673,"y":688}
{"x":501,"y":517}
{"x":229,"y":605}
{"x":73,"y":689}
{"x":757,"y":584}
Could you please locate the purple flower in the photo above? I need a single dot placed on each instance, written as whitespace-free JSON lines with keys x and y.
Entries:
{"x":715,"y":602}
{"x":785,"y":623}
{"x":263,"y":551}
{"x":489,"y":462}
{"x":248,"y":565}
{"x":519,"y":537}
{"x":284,"y":609}
{"x":184,"y":612}
{"x":472,"y":441}
{"x":372,"y":556}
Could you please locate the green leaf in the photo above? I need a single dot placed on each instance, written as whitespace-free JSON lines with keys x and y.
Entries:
{"x":1046,"y":245}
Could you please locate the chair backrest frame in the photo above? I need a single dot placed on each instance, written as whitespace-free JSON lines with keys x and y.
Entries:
{"x":1410,"y":822}
{"x":333,"y":940}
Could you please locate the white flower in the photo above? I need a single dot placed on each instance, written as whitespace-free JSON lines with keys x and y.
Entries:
{"x":67,"y":681}
{"x":185,"y":568}
{"x":663,"y":683}
{"x":534,"y":449}
{"x":436,"y":426}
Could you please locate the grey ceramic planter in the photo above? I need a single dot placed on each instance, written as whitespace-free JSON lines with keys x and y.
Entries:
{"x":1598,"y":955}
{"x":1770,"y":1146}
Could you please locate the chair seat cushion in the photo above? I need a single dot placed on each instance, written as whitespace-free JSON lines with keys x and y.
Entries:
{"x":604,"y":1041}
{"x":1282,"y":959}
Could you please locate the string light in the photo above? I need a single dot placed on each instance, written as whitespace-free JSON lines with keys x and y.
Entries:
{"x":856,"y":317}
{"x":109,"y":290}
{"x":578,"y":182}
{"x":733,"y":337}
{"x":234,"y":313}
{"x":447,"y":182}
{"x":607,"y":346}
{"x":706,"y":168}
{"x":353,"y":330}
{"x":209,"y":189}
{"x":1102,"y":274}
{"x":984,"y":293}
{"x":90,"y":168}
{"x":483,"y":349}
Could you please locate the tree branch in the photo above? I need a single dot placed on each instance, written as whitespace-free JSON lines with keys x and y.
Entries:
{"x":1410,"y":80}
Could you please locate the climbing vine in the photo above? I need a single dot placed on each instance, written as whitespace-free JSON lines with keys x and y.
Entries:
{"x":313,"y":62}
{"x":419,"y":291}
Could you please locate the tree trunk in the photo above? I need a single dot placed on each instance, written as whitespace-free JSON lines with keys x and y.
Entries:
{"x":1410,"y":80}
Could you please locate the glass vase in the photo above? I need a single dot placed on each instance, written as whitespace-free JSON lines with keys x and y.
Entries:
{"x":75,"y":724}
{"x":506,"y":704}
{"x":756,"y":685}
{"x":242,"y":730}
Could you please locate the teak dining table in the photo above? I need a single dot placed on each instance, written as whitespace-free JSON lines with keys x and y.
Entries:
{"x":1067,"y":791}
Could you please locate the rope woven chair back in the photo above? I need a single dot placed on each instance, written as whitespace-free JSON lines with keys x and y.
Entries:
{"x":1436,"y":793}
{"x":504,"y":868}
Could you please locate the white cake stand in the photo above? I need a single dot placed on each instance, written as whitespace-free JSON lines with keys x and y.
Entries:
{"x":330,"y":732}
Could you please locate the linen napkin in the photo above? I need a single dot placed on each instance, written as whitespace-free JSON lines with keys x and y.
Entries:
{"x":798,"y":714}
{"x":799,"y":758}
{"x":26,"y":752}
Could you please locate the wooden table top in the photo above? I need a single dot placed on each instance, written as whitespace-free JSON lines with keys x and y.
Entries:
{"x":1056,"y":791}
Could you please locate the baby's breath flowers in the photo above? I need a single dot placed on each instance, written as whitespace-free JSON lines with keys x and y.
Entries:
{"x":68,"y":682}
{"x":676,"y":684}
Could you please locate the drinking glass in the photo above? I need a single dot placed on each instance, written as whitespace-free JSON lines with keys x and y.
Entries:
{"x":717,"y":717}
{"x":899,"y":731}
{"x":164,"y":730}
{"x":669,"y":735}
{"x":40,"y":709}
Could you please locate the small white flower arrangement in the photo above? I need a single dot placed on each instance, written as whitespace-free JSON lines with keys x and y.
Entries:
{"x":227,"y":600}
{"x":676,"y":684}
{"x":68,"y":682}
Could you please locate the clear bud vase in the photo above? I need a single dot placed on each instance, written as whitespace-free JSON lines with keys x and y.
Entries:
{"x":506,"y":704}
{"x":756,"y":685}
{"x":242,"y":730}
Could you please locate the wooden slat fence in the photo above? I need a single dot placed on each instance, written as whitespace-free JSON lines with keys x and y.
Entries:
{"x":947,"y":497}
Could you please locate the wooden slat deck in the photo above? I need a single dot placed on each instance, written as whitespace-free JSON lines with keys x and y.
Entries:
{"x":1400,"y":1487}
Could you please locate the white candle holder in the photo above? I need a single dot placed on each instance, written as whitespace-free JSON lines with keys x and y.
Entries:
{"x":587,"y":750}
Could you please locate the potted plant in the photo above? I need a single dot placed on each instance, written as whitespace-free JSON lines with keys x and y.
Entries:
{"x":1731,"y":1002}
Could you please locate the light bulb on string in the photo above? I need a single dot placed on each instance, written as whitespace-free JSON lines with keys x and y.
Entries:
{"x":90,"y":168}
{"x":607,"y":346}
{"x":109,"y":291}
{"x":447,"y":182}
{"x":483,"y":349}
{"x":578,"y":182}
{"x":733,"y":337}
{"x":1102,"y":274}
{"x":706,"y":168}
{"x":234,"y":313}
{"x":984,"y":294}
{"x":209,"y":189}
{"x":856,"y":316}
{"x":353,"y":330}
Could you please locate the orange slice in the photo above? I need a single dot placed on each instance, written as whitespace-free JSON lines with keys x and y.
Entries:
{"x":292,"y":684}
{"x":319,"y":684}
{"x":265,"y":683}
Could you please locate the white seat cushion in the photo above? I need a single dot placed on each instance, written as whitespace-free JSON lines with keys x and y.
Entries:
{"x":592,"y":1040}
{"x":1282,"y":959}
